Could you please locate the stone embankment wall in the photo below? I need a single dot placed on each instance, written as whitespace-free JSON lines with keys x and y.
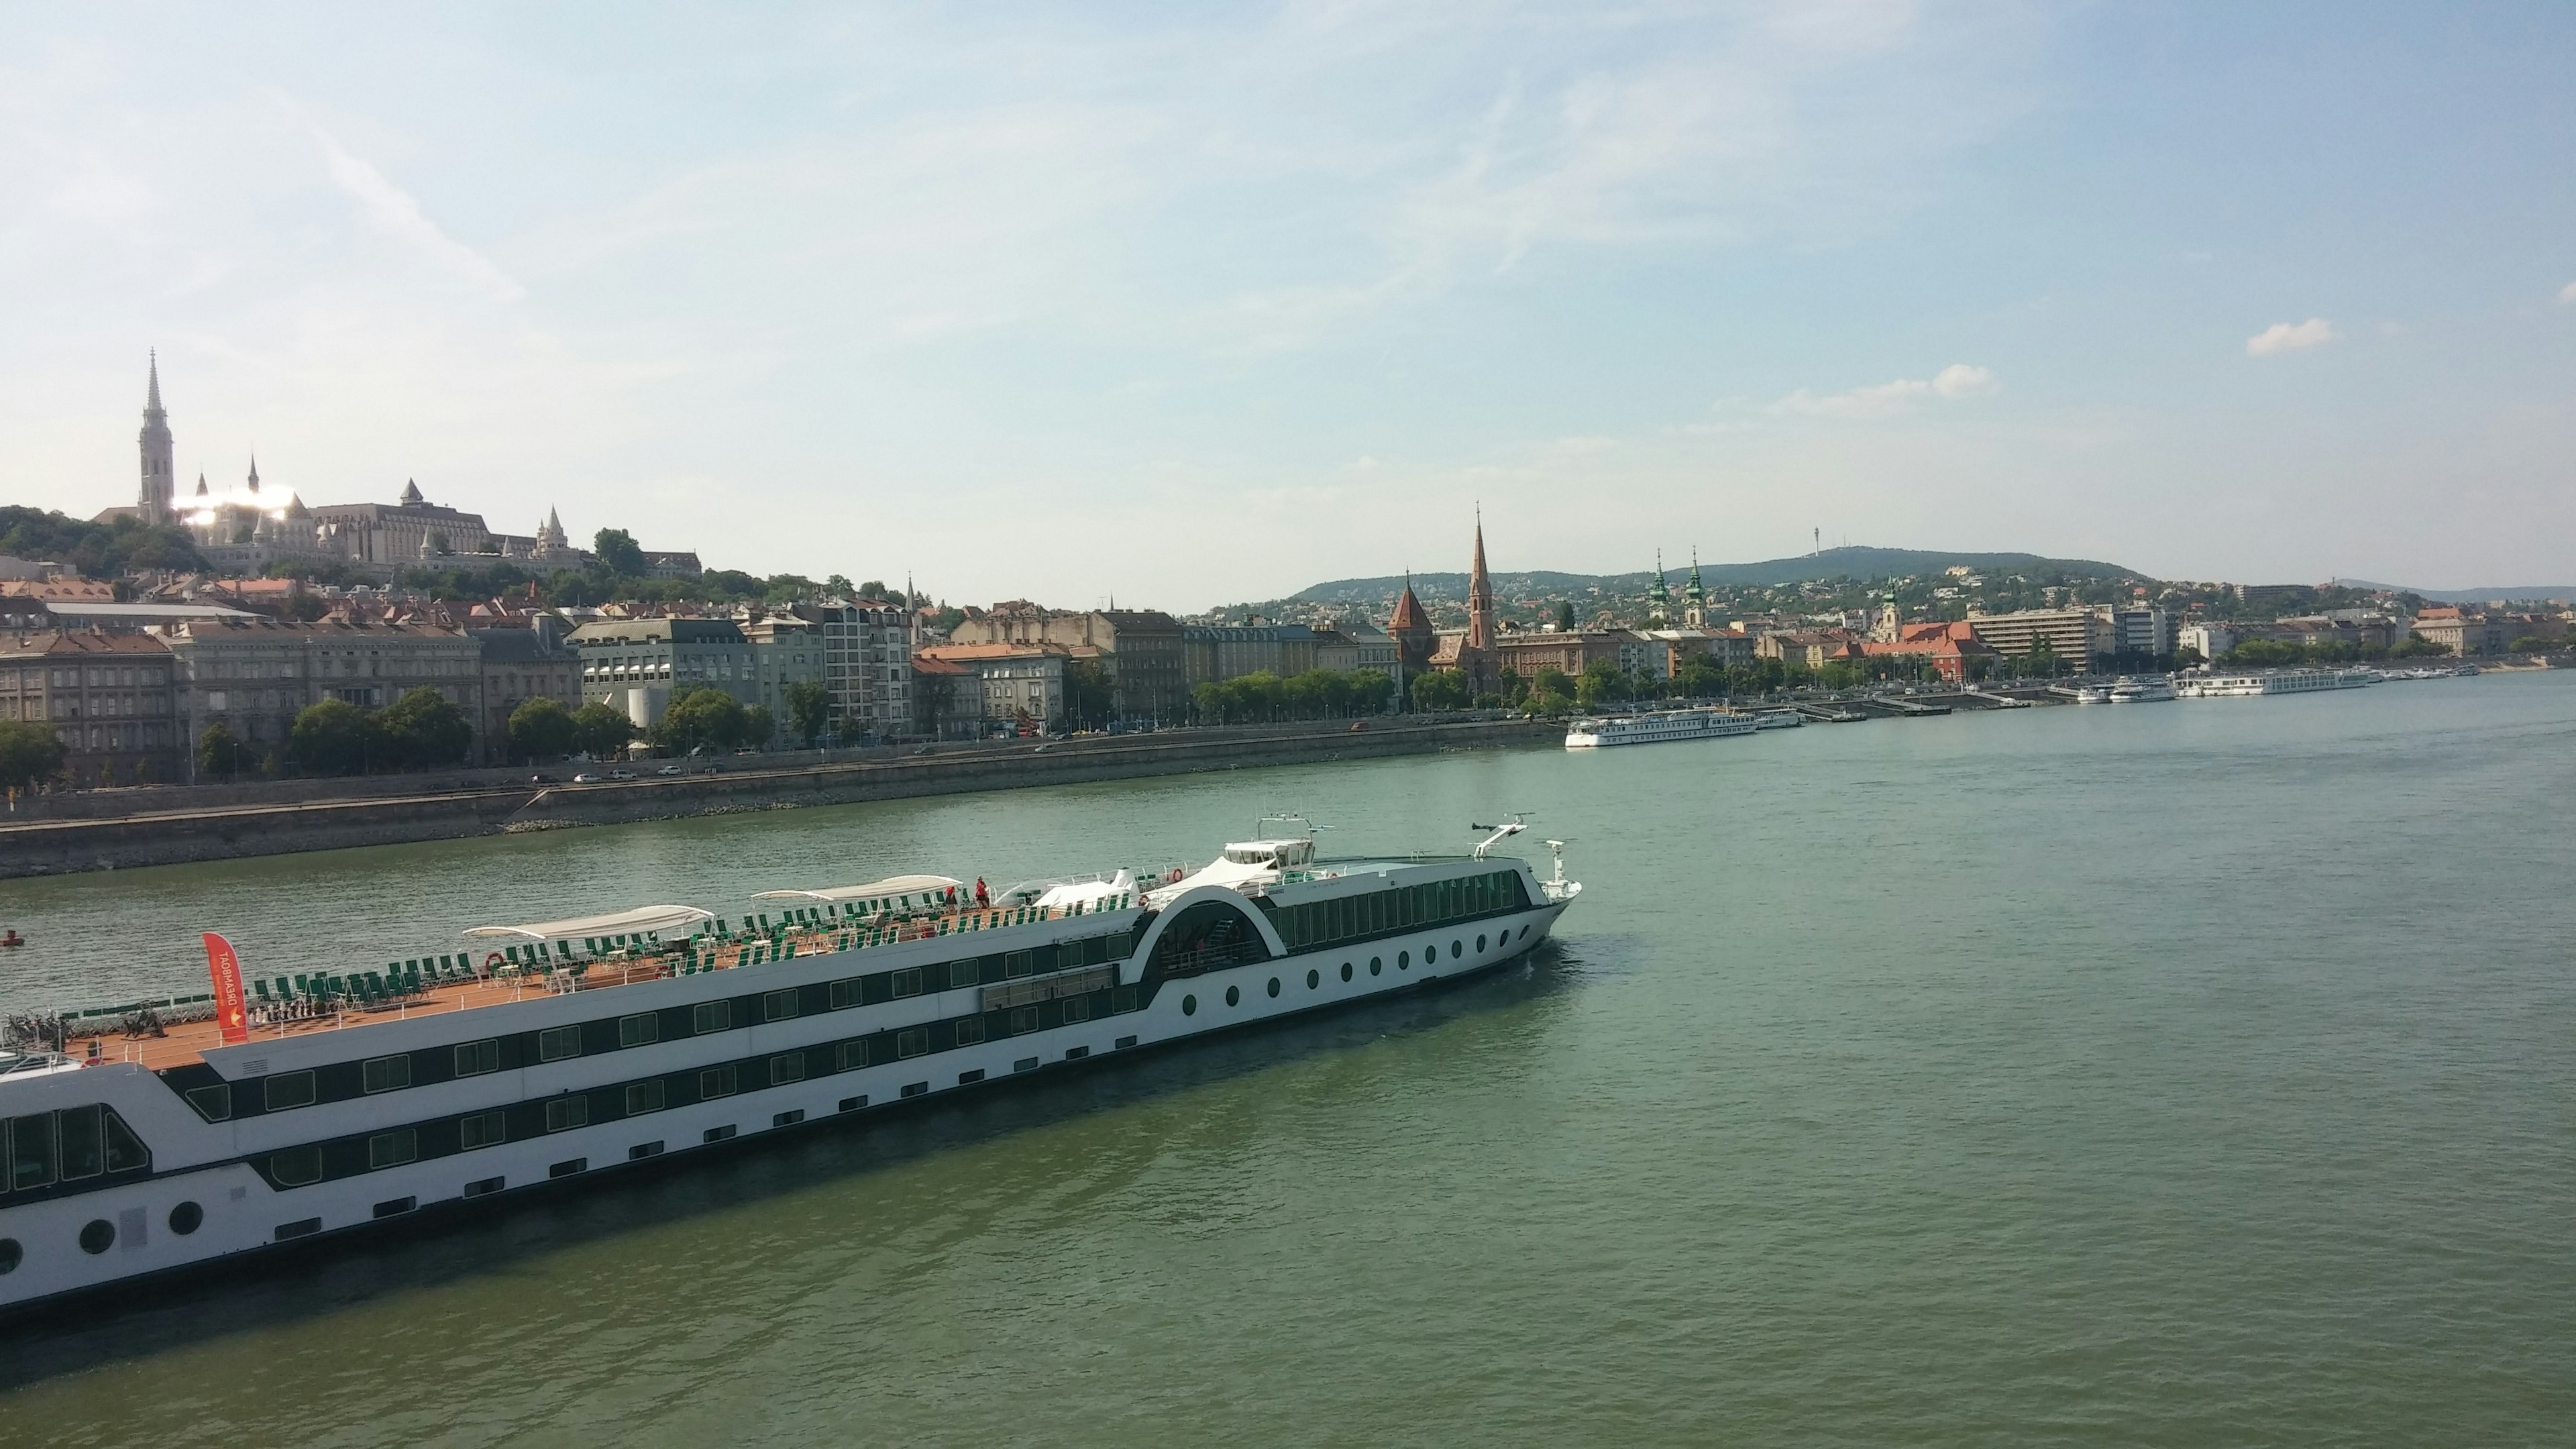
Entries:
{"x":185,"y":826}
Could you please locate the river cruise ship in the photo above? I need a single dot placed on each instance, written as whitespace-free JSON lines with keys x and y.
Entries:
{"x":2276,"y":681}
{"x":2143,"y":689}
{"x":321,"y":1102}
{"x":1658,"y":728}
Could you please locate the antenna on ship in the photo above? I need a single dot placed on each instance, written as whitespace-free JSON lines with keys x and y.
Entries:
{"x":1518,"y":823}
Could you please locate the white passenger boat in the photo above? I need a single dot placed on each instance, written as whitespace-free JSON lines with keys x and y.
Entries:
{"x":2092,"y":694}
{"x":2274,"y":681}
{"x":1657,"y":728}
{"x":2143,"y":689}
{"x":323,"y":1103}
{"x":1778,"y":719}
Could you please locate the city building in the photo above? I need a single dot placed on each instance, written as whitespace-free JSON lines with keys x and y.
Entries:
{"x":2272,"y":593}
{"x":947,"y":699}
{"x":106,"y":616}
{"x":256,"y":675}
{"x":1569,"y":652}
{"x":2348,"y":628}
{"x":1214,"y":653}
{"x":2073,"y":635}
{"x":1015,"y":682}
{"x":2462,"y":631}
{"x":1351,"y":644}
{"x":1951,"y":650}
{"x":785,"y":650}
{"x":637,"y":665}
{"x":2205,"y":638}
{"x":111,"y":699}
{"x":1808,"y":648}
{"x":1142,"y":649}
{"x":867,"y":665}
{"x":1722,"y":647}
{"x":523,"y":663}
{"x":2147,"y":632}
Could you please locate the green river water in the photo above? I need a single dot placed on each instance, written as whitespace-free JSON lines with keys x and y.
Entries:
{"x":2199,"y":1074}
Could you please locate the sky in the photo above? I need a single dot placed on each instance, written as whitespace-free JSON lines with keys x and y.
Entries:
{"x":1190,"y":304}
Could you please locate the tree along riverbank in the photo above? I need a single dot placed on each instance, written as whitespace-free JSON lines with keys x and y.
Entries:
{"x":180,"y":827}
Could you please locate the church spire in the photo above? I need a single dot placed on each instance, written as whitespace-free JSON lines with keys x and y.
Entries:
{"x":1659,"y":599}
{"x":1694,"y":598}
{"x":152,"y":501}
{"x":1480,"y":594}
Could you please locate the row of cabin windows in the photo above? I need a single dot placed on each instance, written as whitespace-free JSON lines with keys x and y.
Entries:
{"x":69,"y":1145}
{"x":286,"y":1091}
{"x":1403,"y":908}
{"x":302,"y":1166}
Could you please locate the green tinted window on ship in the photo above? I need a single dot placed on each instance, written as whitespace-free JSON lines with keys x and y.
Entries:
{"x":287,"y":1090}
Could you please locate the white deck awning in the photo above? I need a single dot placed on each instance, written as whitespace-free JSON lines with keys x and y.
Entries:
{"x":893,"y":888}
{"x":1218,"y":872}
{"x":1085,"y":894}
{"x":643,"y":920}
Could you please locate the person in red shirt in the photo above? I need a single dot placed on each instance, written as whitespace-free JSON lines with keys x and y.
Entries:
{"x":983,"y":898}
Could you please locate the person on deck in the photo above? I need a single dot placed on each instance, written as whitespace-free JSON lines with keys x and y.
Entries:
{"x":983,"y":898}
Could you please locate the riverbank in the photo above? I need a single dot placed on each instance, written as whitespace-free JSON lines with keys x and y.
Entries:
{"x":313,"y":816}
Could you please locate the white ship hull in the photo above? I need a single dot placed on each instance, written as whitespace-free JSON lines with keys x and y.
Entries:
{"x":226,"y":1169}
{"x":1656,"y":729}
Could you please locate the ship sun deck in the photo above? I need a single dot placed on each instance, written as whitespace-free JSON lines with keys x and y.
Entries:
{"x":454,"y":983}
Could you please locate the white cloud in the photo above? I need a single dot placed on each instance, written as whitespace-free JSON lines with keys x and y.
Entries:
{"x":1958,"y":380}
{"x":2291,"y":337}
{"x":397,"y":213}
{"x":2567,"y":294}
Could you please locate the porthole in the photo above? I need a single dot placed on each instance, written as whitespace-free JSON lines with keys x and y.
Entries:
{"x":1403,"y":961}
{"x":1376,"y":963}
{"x":98,"y":1237}
{"x":1480,"y":945}
{"x":1454,"y":951}
{"x":1234,"y":996}
{"x":186,"y":1218}
{"x":1346,"y":971}
{"x":1189,"y":1006}
{"x":1274,"y":986}
{"x":10,"y":1254}
{"x":1524,"y":933}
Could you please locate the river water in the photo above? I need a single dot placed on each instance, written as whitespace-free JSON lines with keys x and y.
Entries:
{"x":2200,"y":1074}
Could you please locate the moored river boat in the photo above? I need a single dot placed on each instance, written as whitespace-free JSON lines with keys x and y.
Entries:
{"x":317,"y":1103}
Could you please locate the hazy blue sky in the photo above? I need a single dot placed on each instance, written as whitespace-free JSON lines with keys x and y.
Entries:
{"x":1193,"y":304}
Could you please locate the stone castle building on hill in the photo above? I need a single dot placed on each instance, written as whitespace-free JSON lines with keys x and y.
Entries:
{"x":242,"y":528}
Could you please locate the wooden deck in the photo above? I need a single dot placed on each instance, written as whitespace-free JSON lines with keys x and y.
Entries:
{"x":187,"y":1042}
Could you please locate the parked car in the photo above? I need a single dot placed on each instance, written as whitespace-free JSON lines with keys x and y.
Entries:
{"x":621,"y":774}
{"x":588,"y":777}
{"x":670,"y":770}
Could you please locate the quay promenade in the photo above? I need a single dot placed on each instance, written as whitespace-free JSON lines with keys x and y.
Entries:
{"x":176,"y":829}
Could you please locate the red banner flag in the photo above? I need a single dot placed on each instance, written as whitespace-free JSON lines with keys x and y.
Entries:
{"x":231,"y":1011}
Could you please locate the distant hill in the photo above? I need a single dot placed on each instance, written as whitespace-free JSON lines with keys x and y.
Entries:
{"x":1832,"y":563}
{"x":2478,"y":595}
